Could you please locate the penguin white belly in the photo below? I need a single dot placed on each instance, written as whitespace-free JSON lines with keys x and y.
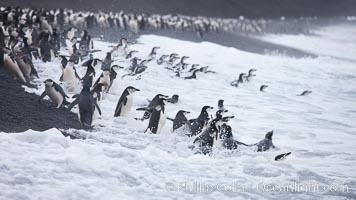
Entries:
{"x":106,"y":81}
{"x":162,"y":121}
{"x":121,"y":51}
{"x":69,"y":78}
{"x":218,"y":143}
{"x":125,"y":109}
{"x":55,"y":96}
{"x":13,"y":68}
{"x":115,"y":53}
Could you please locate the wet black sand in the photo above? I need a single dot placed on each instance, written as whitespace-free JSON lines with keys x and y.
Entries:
{"x":20,"y":111}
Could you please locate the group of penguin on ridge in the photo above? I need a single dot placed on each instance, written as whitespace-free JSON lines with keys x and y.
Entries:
{"x":20,"y":45}
{"x":135,"y":22}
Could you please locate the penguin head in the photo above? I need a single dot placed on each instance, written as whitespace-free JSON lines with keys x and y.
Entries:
{"x":48,"y":82}
{"x":131,"y":89}
{"x":160,"y":96}
{"x":242,"y":75}
{"x":252,"y":70}
{"x":221,"y":103}
{"x":123,"y":41}
{"x":175,"y":97}
{"x":154,"y":49}
{"x":226,"y":131}
{"x":206,"y":108}
{"x":269,"y":135}
{"x":183,"y":112}
{"x":116,"y":66}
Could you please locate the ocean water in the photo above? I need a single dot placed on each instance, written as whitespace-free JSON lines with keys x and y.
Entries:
{"x":117,"y":160}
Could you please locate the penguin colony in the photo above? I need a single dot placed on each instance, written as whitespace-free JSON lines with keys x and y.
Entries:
{"x":135,"y":22}
{"x":34,"y":34}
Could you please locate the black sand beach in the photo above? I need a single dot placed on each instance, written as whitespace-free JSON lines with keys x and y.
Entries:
{"x":21,"y":111}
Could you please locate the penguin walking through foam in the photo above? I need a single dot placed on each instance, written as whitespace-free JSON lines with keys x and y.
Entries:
{"x":158,"y":117}
{"x":55,"y":93}
{"x":152,"y":104}
{"x":125,"y":102}
{"x":266,"y":143}
{"x":198,"y":124}
{"x":180,"y":120}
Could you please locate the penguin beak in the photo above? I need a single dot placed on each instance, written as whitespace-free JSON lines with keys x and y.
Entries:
{"x":226,"y":111}
{"x":211,"y":107}
{"x":137,"y":90}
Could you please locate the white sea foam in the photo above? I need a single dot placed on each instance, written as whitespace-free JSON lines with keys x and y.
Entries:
{"x":119,"y":161}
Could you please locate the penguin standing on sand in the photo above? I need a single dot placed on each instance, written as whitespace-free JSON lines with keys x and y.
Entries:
{"x":158,"y":117}
{"x":125,"y":102}
{"x":87,"y":105}
{"x":8,"y":62}
{"x":55,"y":93}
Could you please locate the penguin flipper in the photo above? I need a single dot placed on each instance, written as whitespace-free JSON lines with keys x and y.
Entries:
{"x":170,"y":119}
{"x":97,"y":106}
{"x":75,"y":102}
{"x":118,"y":109}
{"x":60,"y":89}
{"x":145,"y":109}
{"x":42,"y":96}
{"x":61,"y":78}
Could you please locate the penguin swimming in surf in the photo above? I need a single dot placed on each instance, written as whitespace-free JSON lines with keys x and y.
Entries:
{"x":180,"y":120}
{"x":221,"y":105}
{"x":205,"y":141}
{"x":55,"y":93}
{"x":305,"y":93}
{"x":282,"y":156}
{"x":193,"y":76}
{"x":266,"y":143}
{"x":228,"y":141}
{"x":173,"y":99}
{"x":263,"y":87}
{"x":153,"y":52}
{"x":198,"y":124}
{"x":250,"y":74}
{"x":129,"y":55}
{"x":124,"y":104}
